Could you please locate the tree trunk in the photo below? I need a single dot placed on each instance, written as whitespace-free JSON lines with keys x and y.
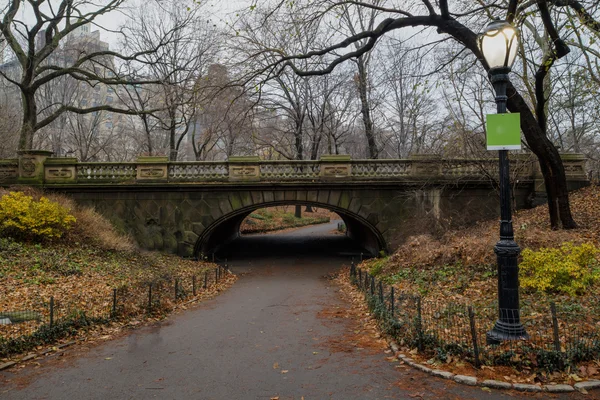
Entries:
{"x":298,"y":211}
{"x":365,"y":110}
{"x":29,"y":120}
{"x":551,"y":164}
{"x":298,"y":141}
{"x":172,"y":148}
{"x":148,"y":136}
{"x":308,"y":209}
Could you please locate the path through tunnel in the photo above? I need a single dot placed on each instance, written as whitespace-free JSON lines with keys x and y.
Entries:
{"x":225,"y":238}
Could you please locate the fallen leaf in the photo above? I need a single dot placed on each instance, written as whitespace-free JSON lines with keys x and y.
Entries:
{"x":284,"y":371}
{"x":575,"y":377}
{"x":275,"y":365}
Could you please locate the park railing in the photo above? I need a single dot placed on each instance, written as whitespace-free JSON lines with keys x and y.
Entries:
{"x":559,"y":338}
{"x":39,"y":167}
{"x":44,"y":321}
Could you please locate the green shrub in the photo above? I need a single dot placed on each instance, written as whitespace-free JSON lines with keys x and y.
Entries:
{"x":24,"y":218}
{"x":376,"y":265}
{"x":569,"y":269}
{"x":289,"y":218}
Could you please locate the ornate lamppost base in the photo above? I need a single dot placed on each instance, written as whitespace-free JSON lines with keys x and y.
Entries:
{"x":503,"y":331}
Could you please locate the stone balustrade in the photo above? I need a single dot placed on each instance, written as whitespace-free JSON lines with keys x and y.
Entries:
{"x":37,"y":167}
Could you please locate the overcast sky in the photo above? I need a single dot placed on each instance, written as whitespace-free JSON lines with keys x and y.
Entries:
{"x":217,"y":10}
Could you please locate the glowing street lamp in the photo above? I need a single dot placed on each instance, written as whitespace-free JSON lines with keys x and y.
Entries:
{"x":498,"y":43}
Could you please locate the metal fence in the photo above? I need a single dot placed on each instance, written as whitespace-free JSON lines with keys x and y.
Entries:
{"x":49,"y":319}
{"x":558,"y":338}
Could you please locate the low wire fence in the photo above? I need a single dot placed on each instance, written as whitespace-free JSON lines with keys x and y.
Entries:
{"x":557,"y":338}
{"x":49,"y":319}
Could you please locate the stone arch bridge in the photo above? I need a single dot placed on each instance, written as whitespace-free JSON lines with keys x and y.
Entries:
{"x":192,"y":208}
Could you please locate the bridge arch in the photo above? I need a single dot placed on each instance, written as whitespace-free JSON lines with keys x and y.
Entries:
{"x":227,"y":227}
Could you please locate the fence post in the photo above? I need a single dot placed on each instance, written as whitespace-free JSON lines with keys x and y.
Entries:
{"x":474,"y":336}
{"x":352,"y":270}
{"x":114,"y":305}
{"x":150,"y":298}
{"x":367,"y":282}
{"x":360,"y":282}
{"x":419,"y":325}
{"x":205,"y":279}
{"x":176,"y":287}
{"x":372,"y":285}
{"x":392,"y":301}
{"x":555,"y":333}
{"x":51,"y":311}
{"x":381,"y":292}
{"x":194,"y":285}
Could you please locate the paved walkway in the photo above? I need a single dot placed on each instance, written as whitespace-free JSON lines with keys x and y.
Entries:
{"x":278,"y":333}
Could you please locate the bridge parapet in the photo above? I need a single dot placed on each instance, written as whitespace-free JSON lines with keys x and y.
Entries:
{"x":147,"y":170}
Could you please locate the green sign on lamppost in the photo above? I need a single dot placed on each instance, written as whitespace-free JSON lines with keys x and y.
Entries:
{"x":498,"y":43}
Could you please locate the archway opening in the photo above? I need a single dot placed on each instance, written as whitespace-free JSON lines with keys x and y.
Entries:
{"x":285,"y":218}
{"x":224,"y":231}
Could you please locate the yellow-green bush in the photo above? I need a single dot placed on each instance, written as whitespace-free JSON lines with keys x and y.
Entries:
{"x":568,"y":269}
{"x":24,"y":218}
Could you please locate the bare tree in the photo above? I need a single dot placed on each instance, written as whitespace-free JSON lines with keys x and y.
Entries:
{"x":409,"y":106}
{"x":177,"y":65}
{"x":357,"y":19}
{"x":43,"y":54}
{"x":459,"y":21}
{"x":223,"y":124}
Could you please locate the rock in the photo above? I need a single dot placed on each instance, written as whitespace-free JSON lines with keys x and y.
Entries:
{"x":5,"y":321}
{"x":421,"y":367}
{"x":496,"y":384}
{"x":587,"y":385}
{"x":7,"y":365}
{"x":527,"y":388}
{"x":559,"y":388}
{"x":466,"y":380}
{"x":442,"y":374}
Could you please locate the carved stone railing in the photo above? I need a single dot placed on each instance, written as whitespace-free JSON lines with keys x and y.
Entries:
{"x":198,"y":172}
{"x":105,"y":172}
{"x":39,"y":168}
{"x":286,"y":170}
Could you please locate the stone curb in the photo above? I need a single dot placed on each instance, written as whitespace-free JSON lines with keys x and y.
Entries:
{"x":28,"y":357}
{"x":472,"y":381}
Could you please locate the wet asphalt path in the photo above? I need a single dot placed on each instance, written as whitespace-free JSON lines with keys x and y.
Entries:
{"x":270,"y":336}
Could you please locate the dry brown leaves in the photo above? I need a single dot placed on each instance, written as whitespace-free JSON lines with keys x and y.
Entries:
{"x":471,"y":246}
{"x":80,"y":272}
